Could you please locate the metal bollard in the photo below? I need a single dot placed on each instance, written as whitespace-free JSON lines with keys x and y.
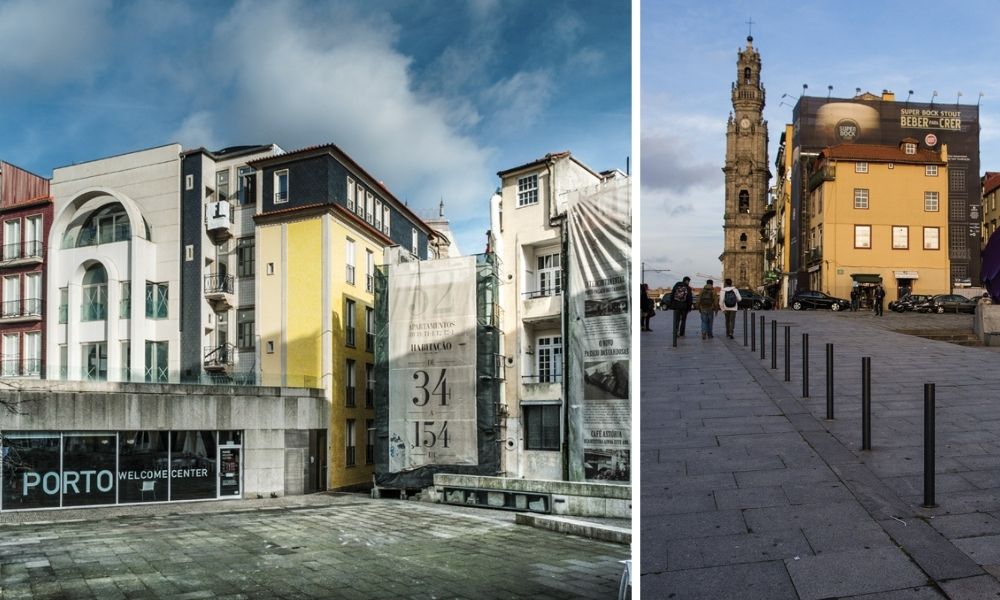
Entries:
{"x":753,"y":332}
{"x":805,"y":365}
{"x":744,"y":327}
{"x":788,"y":353}
{"x":829,"y":381}
{"x":866,"y":403}
{"x":774,"y":344}
{"x":929,"y":446}
{"x":762,"y":337}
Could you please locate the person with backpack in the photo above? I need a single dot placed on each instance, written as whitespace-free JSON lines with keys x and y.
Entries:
{"x":708,"y":305}
{"x":646,"y":304}
{"x":681,"y":302}
{"x":730,"y":305}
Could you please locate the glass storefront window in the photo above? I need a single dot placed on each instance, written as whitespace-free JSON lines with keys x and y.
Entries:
{"x":192,"y":465}
{"x":31,"y":477}
{"x":88,"y":475}
{"x":143,"y":466}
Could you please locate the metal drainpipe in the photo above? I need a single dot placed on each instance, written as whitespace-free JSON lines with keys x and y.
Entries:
{"x":559,"y":220}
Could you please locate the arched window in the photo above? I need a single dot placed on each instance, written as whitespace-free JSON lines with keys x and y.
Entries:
{"x":95,"y":294}
{"x":743,"y":241}
{"x":746,"y":75}
{"x":744,"y":201}
{"x":106,"y":225}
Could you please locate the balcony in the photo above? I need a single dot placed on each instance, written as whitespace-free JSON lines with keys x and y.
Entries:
{"x":105,"y":234}
{"x":219,"y":359}
{"x":21,"y":311}
{"x":827,"y":173}
{"x":814,"y":255}
{"x":21,"y":253}
{"x":492,"y":316}
{"x":219,"y":291}
{"x":541,"y":305}
{"x":17,"y":367}
{"x":541,"y":387}
{"x":219,"y":220}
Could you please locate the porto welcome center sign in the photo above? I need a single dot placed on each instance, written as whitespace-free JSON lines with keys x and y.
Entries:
{"x":600,"y":242}
{"x":432,"y":364}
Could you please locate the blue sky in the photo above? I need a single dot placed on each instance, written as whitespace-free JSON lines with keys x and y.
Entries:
{"x":688,"y":62}
{"x":431,"y":96}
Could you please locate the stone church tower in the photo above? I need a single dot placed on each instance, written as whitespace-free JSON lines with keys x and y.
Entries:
{"x":747,"y":175}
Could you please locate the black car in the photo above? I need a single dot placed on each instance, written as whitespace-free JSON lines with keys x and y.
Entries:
{"x":751,"y":299}
{"x":814,"y":299}
{"x":908,"y":302}
{"x":951,"y":303}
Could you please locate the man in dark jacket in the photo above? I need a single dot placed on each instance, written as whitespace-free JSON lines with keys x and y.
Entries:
{"x":681,"y":301}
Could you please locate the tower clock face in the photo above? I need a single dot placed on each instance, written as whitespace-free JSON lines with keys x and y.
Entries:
{"x":745,"y":123}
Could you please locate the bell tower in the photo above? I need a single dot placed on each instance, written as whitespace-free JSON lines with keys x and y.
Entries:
{"x":747,"y":175}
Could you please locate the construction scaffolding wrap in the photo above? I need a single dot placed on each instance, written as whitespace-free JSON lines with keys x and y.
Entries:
{"x":438,"y":370}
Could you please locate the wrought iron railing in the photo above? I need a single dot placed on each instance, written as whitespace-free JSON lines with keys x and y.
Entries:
{"x":221,"y":355}
{"x":219,"y":284}
{"x":554,"y":290}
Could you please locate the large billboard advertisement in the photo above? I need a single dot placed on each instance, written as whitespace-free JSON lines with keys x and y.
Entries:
{"x":867,"y":119}
{"x":599,"y":332}
{"x":432,"y":364}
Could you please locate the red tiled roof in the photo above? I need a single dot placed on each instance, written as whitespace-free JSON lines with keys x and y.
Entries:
{"x":879,"y":153}
{"x":991,"y":181}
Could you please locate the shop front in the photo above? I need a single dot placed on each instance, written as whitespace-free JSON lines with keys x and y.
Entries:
{"x":42,"y":469}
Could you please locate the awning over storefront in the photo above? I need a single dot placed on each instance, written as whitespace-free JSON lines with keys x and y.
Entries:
{"x":906,"y":275}
{"x":866,"y":277}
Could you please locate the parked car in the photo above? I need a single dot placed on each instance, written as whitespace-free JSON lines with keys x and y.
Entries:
{"x":814,"y":299}
{"x":908,"y":302}
{"x":952,"y":303}
{"x":751,"y":299}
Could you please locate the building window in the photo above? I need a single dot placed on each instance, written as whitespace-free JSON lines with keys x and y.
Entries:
{"x":956,"y":180}
{"x":189,"y":182}
{"x":33,"y":293}
{"x":931,"y":202}
{"x":156,"y":300}
{"x":910,"y":148}
{"x":956,"y":241}
{"x":369,"y":271}
{"x":245,"y":324}
{"x":932,"y":238}
{"x":860,"y":167}
{"x":860,"y":198}
{"x":12,"y":239}
{"x":369,"y":329}
{"x":369,"y":207}
{"x":541,"y":426}
{"x":378,"y":215}
{"x":63,"y":305}
{"x":125,"y":303}
{"x":351,"y":441}
{"x":900,"y":237}
{"x":244,"y":186}
{"x":743,"y":241}
{"x":930,"y":170}
{"x":527,"y":190}
{"x":360,"y":208}
{"x":350,"y":383}
{"x":349,"y":322}
{"x":95,"y":361}
{"x":744,"y":201}
{"x":156,"y":361}
{"x":350,"y":194}
{"x":222,"y":185}
{"x":349,"y":260}
{"x":862,"y":236}
{"x":957,"y":208}
{"x":549,"y":274}
{"x":11,"y":296}
{"x":746,"y":75}
{"x":369,"y":441}
{"x":413,"y":241}
{"x":95,"y":294}
{"x":245,"y":265}
{"x":32,"y":353}
{"x":11,"y":355}
{"x":33,"y":236}
{"x":369,"y":385}
{"x":549,"y":350}
{"x":385,"y":220}
{"x":281,"y":186}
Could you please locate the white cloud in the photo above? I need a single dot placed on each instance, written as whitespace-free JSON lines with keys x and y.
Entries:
{"x":50,"y":41}
{"x":517,"y":101}
{"x":196,"y":131}
{"x":305,"y":78}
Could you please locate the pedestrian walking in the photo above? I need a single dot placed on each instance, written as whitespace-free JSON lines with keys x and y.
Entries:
{"x":879,"y":298}
{"x":855,"y":297}
{"x":708,"y":305}
{"x":645,"y":307}
{"x":681,"y":301}
{"x":730,"y":306}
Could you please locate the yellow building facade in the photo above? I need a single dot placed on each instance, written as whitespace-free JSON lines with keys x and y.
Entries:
{"x":878,"y":214}
{"x":316,"y":323}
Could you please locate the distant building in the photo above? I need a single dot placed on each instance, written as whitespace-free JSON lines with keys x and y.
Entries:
{"x":26,"y":214}
{"x":747,"y":175}
{"x":991,"y":215}
{"x":878,"y":215}
{"x":442,"y":241}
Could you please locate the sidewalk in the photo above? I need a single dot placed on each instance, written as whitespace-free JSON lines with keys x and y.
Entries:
{"x":748,"y":492}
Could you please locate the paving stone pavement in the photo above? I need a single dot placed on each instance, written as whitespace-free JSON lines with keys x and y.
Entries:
{"x":749,"y":492}
{"x":317,"y":546}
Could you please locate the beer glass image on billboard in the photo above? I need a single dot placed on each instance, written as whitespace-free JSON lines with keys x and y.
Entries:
{"x":846,"y":122}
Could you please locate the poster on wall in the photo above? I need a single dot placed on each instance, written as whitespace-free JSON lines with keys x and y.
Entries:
{"x":599,"y":332}
{"x":432,"y":363}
